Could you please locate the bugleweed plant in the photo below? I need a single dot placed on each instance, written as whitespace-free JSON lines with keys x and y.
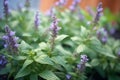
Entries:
{"x":62,"y":45}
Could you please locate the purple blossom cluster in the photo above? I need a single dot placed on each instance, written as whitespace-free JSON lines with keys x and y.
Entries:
{"x":81,"y":66}
{"x":36,"y":21}
{"x":6,"y":8}
{"x":74,"y":5}
{"x":60,"y":3}
{"x":54,"y":26}
{"x":102,"y":35}
{"x":10,"y":40}
{"x":3,"y":61}
{"x":99,"y":13}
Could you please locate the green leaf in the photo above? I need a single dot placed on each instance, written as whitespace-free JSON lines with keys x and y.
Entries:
{"x":33,"y":77}
{"x":75,"y":38}
{"x":48,"y":75}
{"x":83,"y":32}
{"x":43,"y":59}
{"x":26,"y":63}
{"x":43,"y":45}
{"x":60,"y":37}
{"x":80,"y":48}
{"x":59,"y":60}
{"x":24,"y":46}
{"x":95,"y":62}
{"x":20,"y":57}
{"x":23,"y":72}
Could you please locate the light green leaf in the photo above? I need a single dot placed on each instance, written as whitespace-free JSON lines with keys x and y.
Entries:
{"x":20,"y":57}
{"x":75,"y":38}
{"x":24,"y":46}
{"x":59,"y":60}
{"x":80,"y":48}
{"x":60,"y":37}
{"x":48,"y":75}
{"x":43,"y":59}
{"x":43,"y":45}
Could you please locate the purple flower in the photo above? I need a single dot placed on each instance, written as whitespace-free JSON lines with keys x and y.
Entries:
{"x":81,"y":65}
{"x":99,"y":13}
{"x":84,"y":58}
{"x":3,"y":61}
{"x":104,"y":39}
{"x":68,"y":76}
{"x":54,"y":31}
{"x":54,"y":27}
{"x":6,"y":8}
{"x":10,"y":40}
{"x":74,"y":5}
{"x":37,"y":21}
{"x":60,"y":3}
{"x":118,"y":53}
{"x":102,"y":35}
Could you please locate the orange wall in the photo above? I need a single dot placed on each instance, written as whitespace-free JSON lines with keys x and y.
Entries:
{"x":113,"y":5}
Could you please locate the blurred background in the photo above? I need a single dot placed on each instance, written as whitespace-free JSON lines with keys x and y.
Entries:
{"x":44,"y":5}
{"x":14,"y":4}
{"x":113,"y":5}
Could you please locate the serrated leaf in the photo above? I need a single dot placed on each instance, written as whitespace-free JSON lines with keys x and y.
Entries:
{"x":60,"y":37}
{"x":43,"y":59}
{"x":48,"y":75}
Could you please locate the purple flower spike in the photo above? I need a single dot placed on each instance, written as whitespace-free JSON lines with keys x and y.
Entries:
{"x":99,"y":13}
{"x":68,"y":76}
{"x":37,"y":21}
{"x":6,"y":8}
{"x":54,"y":27}
{"x":10,"y":40}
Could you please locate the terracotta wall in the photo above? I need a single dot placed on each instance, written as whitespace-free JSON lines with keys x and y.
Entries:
{"x":113,"y":5}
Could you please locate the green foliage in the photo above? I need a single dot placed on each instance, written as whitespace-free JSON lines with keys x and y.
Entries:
{"x":35,"y":59}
